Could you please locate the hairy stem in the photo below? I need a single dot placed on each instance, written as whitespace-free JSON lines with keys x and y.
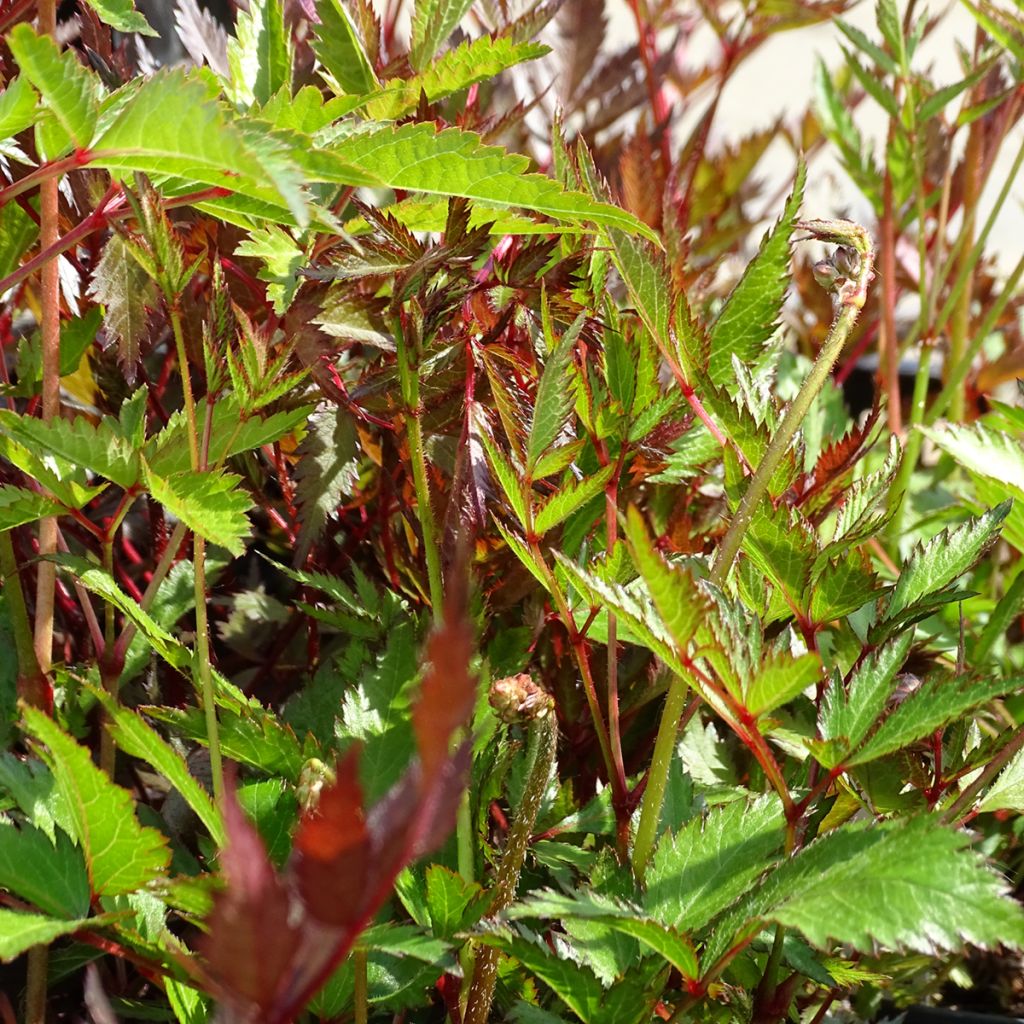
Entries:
{"x":360,"y":994}
{"x":851,"y":301}
{"x":203,"y":669}
{"x":540,"y":753}
{"x":409,"y":380}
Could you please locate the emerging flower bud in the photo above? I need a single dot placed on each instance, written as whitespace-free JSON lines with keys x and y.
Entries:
{"x":518,"y":699}
{"x":846,"y":261}
{"x":825,"y":274}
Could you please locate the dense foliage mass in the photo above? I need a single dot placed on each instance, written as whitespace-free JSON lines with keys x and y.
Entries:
{"x":444,"y":578}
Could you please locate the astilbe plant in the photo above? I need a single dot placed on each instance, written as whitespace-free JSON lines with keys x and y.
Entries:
{"x":318,"y":353}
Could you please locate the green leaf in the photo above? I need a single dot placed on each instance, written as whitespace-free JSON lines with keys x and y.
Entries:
{"x":633,"y":610}
{"x":100,"y":582}
{"x":508,"y":477}
{"x":339,"y":50}
{"x":120,"y":854}
{"x":780,"y":679}
{"x":453,"y":903}
{"x":900,"y":884}
{"x":680,"y":604}
{"x":935,"y":565}
{"x":750,"y":314}
{"x":97,"y":447}
{"x":477,"y":60}
{"x":127,"y":293}
{"x":453,"y":162}
{"x":981,"y":450}
{"x":210,"y":504}
{"x":663,"y":939}
{"x":867,"y":47}
{"x":68,"y":89}
{"x":577,"y":986}
{"x":433,"y":21}
{"x":49,"y":874}
{"x":570,"y":499}
{"x":19,"y":505}
{"x":1007,"y":792}
{"x":251,"y":736}
{"x":17,"y":108}
{"x":260,"y":53}
{"x":122,"y":16}
{"x":848,"y":712}
{"x":19,"y":932}
{"x":171,"y":127}
{"x":712,"y":860}
{"x":138,"y":739}
{"x":556,"y":395}
{"x":939,"y":701}
{"x":992,"y":21}
{"x":782,"y":545}
{"x":282,"y":259}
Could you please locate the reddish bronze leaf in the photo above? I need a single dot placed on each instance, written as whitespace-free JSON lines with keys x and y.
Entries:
{"x":251,"y":939}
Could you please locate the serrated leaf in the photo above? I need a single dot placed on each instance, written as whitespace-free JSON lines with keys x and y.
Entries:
{"x":993,"y":21}
{"x":936,"y":564}
{"x":634,"y":611}
{"x":696,"y":873}
{"x":901,"y":884}
{"x":173,"y":128}
{"x":558,"y":460}
{"x":936,"y":703}
{"x":782,"y":546}
{"x":433,"y":21}
{"x":848,"y":712}
{"x":251,"y":736}
{"x":120,"y":854}
{"x":842,"y":586}
{"x":19,"y":932}
{"x":453,"y":903}
{"x":122,"y":16}
{"x":477,"y":60}
{"x":68,"y":89}
{"x":981,"y":449}
{"x":282,"y":259}
{"x":577,"y":986}
{"x":453,"y":162}
{"x":339,"y":50}
{"x":780,"y":679}
{"x":127,"y":293}
{"x":750,"y":315}
{"x":630,"y":920}
{"x":680,"y":604}
{"x":19,"y":505}
{"x":100,"y":582}
{"x":97,"y":447}
{"x":1007,"y":792}
{"x":50,"y":874}
{"x":570,"y":499}
{"x":510,"y":480}
{"x":260,"y":53}
{"x":555,"y":395}
{"x":231,"y":433}
{"x":210,"y":504}
{"x":17,"y":108}
{"x":138,"y":739}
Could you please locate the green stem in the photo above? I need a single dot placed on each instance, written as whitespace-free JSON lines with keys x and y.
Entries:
{"x":851,"y":301}
{"x":360,"y":991}
{"x":657,"y":775}
{"x":409,"y":381}
{"x":798,"y":409}
{"x":958,"y":373}
{"x":1008,"y":608}
{"x":966,"y":799}
{"x":203,"y":669}
{"x":541,"y":742}
{"x":912,"y":449}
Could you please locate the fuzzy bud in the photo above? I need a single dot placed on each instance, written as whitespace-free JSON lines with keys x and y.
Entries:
{"x":825,"y":274}
{"x":518,"y":699}
{"x":846,"y":261}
